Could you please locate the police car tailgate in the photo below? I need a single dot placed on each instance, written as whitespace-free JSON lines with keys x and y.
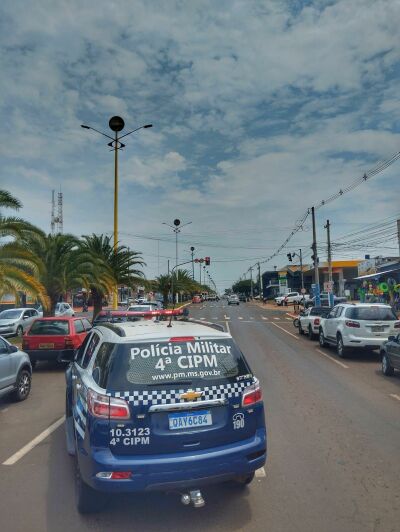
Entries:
{"x":174,"y":421}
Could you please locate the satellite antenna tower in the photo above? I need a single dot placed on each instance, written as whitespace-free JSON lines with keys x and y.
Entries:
{"x":56,"y":221}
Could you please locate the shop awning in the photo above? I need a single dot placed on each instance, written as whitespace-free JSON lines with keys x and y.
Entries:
{"x":374,"y":275}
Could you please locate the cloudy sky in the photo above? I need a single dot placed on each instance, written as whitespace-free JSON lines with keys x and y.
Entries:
{"x":260,"y":110}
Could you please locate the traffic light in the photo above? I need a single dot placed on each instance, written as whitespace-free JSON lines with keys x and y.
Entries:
{"x":289,"y":256}
{"x":207,"y":261}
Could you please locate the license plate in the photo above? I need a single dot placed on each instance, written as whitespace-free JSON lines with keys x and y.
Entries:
{"x":46,"y":346}
{"x":378,"y":328}
{"x":189,"y":420}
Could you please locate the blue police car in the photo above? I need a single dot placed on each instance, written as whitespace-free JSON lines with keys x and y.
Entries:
{"x":156,"y":407}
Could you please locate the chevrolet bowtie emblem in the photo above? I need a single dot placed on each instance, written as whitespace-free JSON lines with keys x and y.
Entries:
{"x":190,"y":396}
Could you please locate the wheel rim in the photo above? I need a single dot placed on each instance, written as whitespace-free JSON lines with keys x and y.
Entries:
{"x":24,"y":385}
{"x":20,"y":332}
{"x":384,"y":364}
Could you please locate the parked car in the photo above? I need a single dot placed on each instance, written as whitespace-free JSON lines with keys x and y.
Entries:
{"x":290,"y":298}
{"x":390,"y":352}
{"x":242,"y":297}
{"x":14,"y":322}
{"x":140,"y":394}
{"x":53,"y":339}
{"x":310,"y":321}
{"x":233,"y":300}
{"x":141,"y":308}
{"x":15,"y":371}
{"x":64,"y":309}
{"x":366,"y":325}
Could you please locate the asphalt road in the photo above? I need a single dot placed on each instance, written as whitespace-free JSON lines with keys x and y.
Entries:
{"x":334,"y":447}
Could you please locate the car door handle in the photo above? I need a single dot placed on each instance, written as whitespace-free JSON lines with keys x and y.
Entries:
{"x":78,"y":386}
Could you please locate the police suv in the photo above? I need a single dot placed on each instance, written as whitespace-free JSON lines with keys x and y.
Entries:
{"x":152,"y":405}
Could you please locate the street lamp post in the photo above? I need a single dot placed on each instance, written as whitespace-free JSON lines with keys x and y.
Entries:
{"x":192,"y":251}
{"x":176,"y":229}
{"x":116,"y":124}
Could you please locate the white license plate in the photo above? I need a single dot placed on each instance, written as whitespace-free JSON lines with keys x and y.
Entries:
{"x":189,"y":420}
{"x":378,"y":328}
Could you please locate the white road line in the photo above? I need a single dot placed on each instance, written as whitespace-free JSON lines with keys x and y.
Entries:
{"x":260,"y":473}
{"x":227,"y":327}
{"x":32,"y":444}
{"x":215,"y":318}
{"x":285,"y":331}
{"x":226,"y":317}
{"x":290,"y":319}
{"x":264,"y":318}
{"x":395,"y":396}
{"x":333,"y":359}
{"x":240,"y":318}
{"x":251,"y":317}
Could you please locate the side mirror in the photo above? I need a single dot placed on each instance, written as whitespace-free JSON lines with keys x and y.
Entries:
{"x":68,"y":356}
{"x":13,"y":349}
{"x":392,"y":338}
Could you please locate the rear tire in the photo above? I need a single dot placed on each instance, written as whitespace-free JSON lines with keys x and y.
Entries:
{"x":23,"y":385}
{"x":322,"y":341}
{"x":341,"y":350}
{"x":88,"y":500}
{"x":244,"y":480}
{"x":20,"y":331}
{"x":387,"y":368}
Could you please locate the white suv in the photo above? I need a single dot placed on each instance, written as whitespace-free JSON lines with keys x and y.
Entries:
{"x":363,"y":325}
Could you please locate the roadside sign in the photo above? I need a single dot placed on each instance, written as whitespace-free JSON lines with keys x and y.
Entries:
{"x":303,"y":290}
{"x":328,"y":286}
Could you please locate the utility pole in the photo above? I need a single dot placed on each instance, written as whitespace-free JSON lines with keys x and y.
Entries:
{"x":315,"y":250}
{"x":330,"y":277}
{"x":251,"y":281}
{"x":260,"y":281}
{"x":398,"y":233}
{"x":192,"y":250}
{"x":301,"y":269}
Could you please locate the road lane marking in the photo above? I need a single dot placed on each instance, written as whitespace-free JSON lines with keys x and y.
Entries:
{"x":32,"y":444}
{"x":227,"y":327}
{"x":215,"y":318}
{"x":285,"y":331}
{"x":202,"y":318}
{"x":290,"y":319}
{"x":251,"y":317}
{"x":226,"y":317}
{"x":240,"y":318}
{"x":278,"y":319}
{"x":395,"y":396}
{"x":260,"y":473}
{"x":333,"y":359}
{"x":264,"y":318}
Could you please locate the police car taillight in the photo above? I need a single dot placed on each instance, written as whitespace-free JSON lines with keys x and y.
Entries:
{"x":252,"y":395}
{"x":106,"y":407}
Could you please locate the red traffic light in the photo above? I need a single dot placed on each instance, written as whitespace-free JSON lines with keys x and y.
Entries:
{"x":207,"y":261}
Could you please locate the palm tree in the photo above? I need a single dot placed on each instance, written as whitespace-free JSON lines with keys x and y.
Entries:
{"x":63,"y":267}
{"x":163,"y":285}
{"x":112,"y":268}
{"x":19,"y":267}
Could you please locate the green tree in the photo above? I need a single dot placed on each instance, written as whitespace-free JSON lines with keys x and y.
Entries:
{"x":19,"y":266}
{"x":63,"y":265}
{"x":110,"y":268}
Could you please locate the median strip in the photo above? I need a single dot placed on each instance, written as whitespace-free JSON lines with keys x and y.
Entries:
{"x":32,"y":444}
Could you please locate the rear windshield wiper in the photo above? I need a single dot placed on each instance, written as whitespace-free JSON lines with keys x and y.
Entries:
{"x":169,"y":382}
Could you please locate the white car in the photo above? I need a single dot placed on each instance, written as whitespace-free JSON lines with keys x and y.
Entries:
{"x":366,"y":325}
{"x":310,"y":321}
{"x":15,"y":321}
{"x":290,"y":298}
{"x":233,"y":300}
{"x":64,"y":309}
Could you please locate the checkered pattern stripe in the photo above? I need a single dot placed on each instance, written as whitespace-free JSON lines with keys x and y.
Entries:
{"x":162,"y":397}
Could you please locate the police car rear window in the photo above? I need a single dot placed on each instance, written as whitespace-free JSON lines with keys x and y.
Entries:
{"x":166,"y":362}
